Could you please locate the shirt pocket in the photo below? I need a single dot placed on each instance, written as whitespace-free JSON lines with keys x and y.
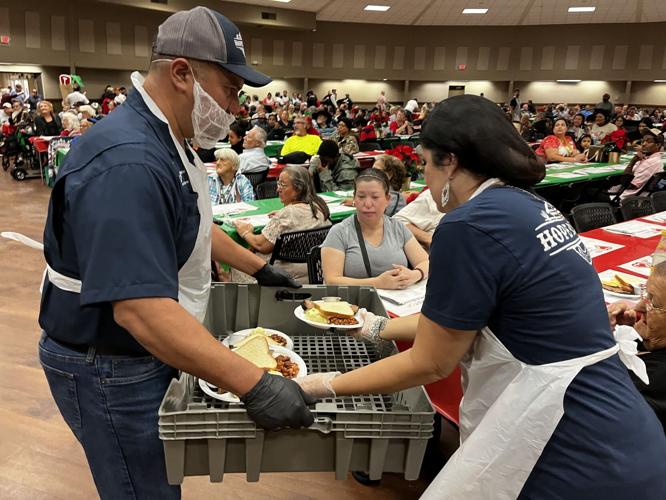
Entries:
{"x":189,"y":227}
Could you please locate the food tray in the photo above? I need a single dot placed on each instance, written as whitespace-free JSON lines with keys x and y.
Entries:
{"x":373,"y":433}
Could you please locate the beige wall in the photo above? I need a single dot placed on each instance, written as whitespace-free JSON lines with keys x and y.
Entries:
{"x":87,"y":35}
{"x":648,"y":93}
{"x":589,"y":92}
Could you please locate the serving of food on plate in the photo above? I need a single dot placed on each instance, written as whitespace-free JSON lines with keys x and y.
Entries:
{"x":274,"y":337}
{"x":617,"y":285}
{"x":274,"y":359}
{"x":331,"y":312}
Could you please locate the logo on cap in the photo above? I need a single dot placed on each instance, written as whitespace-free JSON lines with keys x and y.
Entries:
{"x":238,"y":41}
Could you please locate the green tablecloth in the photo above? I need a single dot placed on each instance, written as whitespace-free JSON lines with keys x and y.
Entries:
{"x":267,"y":206}
{"x":563,"y":174}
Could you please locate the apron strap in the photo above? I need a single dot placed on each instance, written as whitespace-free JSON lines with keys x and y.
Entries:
{"x":21,"y":238}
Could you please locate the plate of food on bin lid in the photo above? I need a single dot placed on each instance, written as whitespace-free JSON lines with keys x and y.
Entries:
{"x":619,"y":285}
{"x":329,"y":312}
{"x":274,"y":359}
{"x":275,"y":337}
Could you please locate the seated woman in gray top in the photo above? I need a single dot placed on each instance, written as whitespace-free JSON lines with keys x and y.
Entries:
{"x":391,"y":249}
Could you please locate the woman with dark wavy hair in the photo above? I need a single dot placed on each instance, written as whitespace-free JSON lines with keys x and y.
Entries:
{"x":549,"y":409}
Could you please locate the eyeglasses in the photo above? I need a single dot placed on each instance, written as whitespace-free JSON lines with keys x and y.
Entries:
{"x":282,"y":185}
{"x":649,"y":305}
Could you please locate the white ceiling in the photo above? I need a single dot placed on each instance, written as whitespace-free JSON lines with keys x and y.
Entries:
{"x":501,"y":12}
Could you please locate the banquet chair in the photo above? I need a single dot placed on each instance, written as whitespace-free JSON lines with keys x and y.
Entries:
{"x":295,"y":245}
{"x":659,"y":201}
{"x":636,"y":206}
{"x":592,"y":216}
{"x":315,"y":271}
{"x":256,"y":178}
{"x":267,"y":190}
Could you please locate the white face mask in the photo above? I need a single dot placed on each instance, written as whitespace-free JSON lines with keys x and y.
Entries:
{"x":211,"y":123}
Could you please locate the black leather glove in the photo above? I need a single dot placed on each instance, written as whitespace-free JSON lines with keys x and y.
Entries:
{"x":276,"y":402}
{"x":273,"y":276}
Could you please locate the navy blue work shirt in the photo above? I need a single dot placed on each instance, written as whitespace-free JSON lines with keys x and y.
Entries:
{"x":508,"y":260}
{"x":123,"y":219}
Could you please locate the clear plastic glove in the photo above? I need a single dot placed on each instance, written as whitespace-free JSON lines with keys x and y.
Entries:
{"x":318,"y":385}
{"x":372,"y":326}
{"x":273,"y":276}
{"x":276,"y":402}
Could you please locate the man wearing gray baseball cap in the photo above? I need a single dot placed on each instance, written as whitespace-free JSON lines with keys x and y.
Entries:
{"x":129,"y":241}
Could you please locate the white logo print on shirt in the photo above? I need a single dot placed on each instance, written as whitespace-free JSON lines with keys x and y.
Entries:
{"x":556,"y":234}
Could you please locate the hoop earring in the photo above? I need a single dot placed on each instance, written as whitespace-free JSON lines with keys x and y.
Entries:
{"x":446,"y":193}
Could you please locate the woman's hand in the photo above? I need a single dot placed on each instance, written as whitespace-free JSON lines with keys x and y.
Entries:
{"x":621,"y":313}
{"x":411,"y":276}
{"x":392,"y":279}
{"x":243,"y":228}
{"x":272,"y":214}
{"x":580,"y":157}
{"x":318,"y":385}
{"x":347,"y":202}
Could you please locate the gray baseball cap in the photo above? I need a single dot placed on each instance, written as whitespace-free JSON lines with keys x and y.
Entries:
{"x":204,"y":34}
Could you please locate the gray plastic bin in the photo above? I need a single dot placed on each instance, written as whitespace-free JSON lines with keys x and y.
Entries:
{"x":374,"y":433}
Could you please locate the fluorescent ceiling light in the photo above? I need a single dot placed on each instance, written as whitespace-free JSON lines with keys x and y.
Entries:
{"x":378,"y":8}
{"x":282,"y":1}
{"x":582,"y":9}
{"x":475,"y":11}
{"x":660,"y":81}
{"x":568,"y":81}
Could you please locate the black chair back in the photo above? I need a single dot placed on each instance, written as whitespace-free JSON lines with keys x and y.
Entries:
{"x":267,"y":190}
{"x":624,"y":181}
{"x":590,"y":216}
{"x":315,"y":271}
{"x":369,"y":146}
{"x":636,"y":206}
{"x":659,"y":201}
{"x":256,"y":178}
{"x":294,"y":246}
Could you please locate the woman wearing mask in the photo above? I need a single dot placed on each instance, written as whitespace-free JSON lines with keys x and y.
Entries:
{"x":549,"y":410}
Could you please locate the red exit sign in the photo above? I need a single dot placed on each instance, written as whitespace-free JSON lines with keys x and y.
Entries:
{"x":4,"y":39}
{"x":462,"y":67}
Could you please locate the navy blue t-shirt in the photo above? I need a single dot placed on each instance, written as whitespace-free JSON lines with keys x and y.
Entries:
{"x":508,"y":260}
{"x":123,"y":219}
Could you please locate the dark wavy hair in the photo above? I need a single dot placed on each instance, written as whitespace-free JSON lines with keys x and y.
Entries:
{"x":477,"y":132}
{"x":302,"y":182}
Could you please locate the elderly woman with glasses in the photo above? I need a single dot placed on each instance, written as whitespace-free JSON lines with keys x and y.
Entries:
{"x":228,"y":185}
{"x":549,"y":409}
{"x":303,"y":210}
{"x":372,"y":248}
{"x":648,"y":317}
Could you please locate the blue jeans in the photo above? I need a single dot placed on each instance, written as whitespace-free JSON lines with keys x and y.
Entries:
{"x":110,"y":403}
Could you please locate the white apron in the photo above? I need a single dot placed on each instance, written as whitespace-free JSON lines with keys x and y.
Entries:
{"x":509,"y":412}
{"x":194,"y":276}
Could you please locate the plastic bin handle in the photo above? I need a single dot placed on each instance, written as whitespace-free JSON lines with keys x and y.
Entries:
{"x":322,"y":424}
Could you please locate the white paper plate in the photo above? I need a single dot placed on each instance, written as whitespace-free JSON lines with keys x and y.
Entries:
{"x":236,"y":337}
{"x":623,"y":295}
{"x":276,"y":350}
{"x":300,"y":314}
